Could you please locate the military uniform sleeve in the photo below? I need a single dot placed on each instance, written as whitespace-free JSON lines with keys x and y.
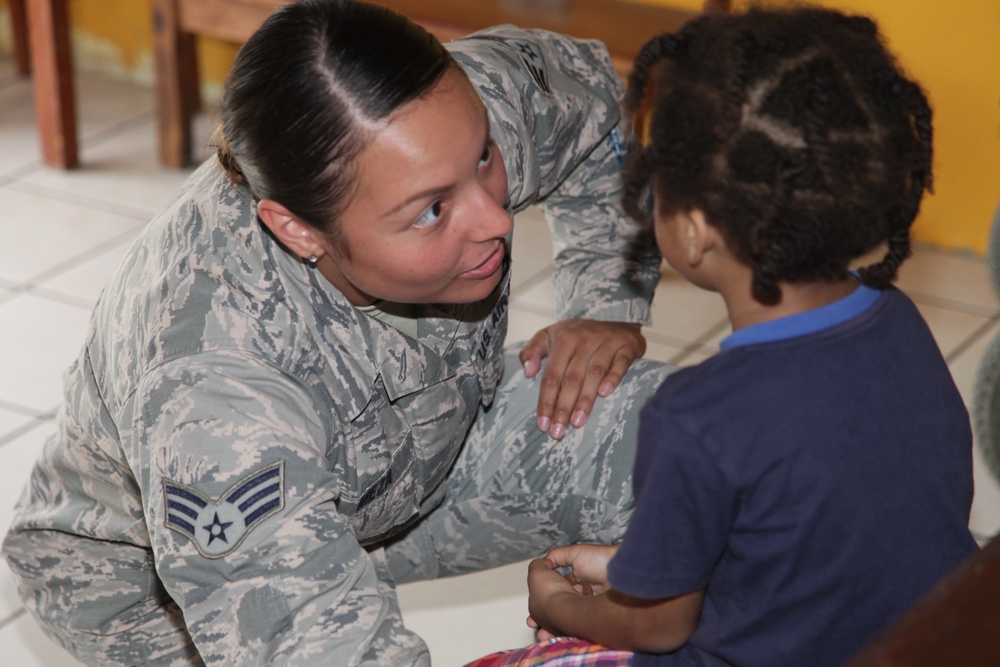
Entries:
{"x":241,"y":497}
{"x":554,"y":105}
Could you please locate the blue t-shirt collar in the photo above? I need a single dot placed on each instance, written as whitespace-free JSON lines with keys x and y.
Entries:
{"x":801,"y":324}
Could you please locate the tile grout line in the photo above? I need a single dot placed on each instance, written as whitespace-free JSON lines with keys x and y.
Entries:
{"x":118,"y":127}
{"x":98,"y":138}
{"x":685,"y":346}
{"x":26,"y":169}
{"x":141,"y":216}
{"x":951,"y":304}
{"x":78,"y":260}
{"x":700,"y":344}
{"x":23,"y":429}
{"x":49,"y":294}
{"x":972,"y":339}
{"x":4,"y":622}
{"x":26,"y":411}
{"x":33,"y":287}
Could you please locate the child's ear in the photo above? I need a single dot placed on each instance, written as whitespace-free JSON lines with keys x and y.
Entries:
{"x":294,"y":234}
{"x":699,"y":235}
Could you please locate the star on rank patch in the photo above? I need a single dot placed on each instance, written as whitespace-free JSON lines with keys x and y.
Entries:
{"x":218,"y":526}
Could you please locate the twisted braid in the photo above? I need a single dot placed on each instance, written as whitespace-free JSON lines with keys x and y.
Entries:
{"x":918,"y":166}
{"x":766,"y":250}
{"x":639,"y":169}
{"x":638,"y":172}
{"x":657,"y":49}
{"x":821,"y":75}
{"x":735,"y":86}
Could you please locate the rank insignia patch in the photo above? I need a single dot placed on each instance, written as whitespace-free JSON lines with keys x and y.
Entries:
{"x":217,"y":527}
{"x":531,"y":56}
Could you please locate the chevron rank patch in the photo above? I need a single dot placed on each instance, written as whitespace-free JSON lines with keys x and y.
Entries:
{"x":531,"y":56}
{"x":217,"y":527}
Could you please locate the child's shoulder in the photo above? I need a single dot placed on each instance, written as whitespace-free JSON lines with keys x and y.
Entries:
{"x":708,"y":381}
{"x":771,"y":362}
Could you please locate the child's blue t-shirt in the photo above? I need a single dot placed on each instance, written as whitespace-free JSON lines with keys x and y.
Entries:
{"x":814,"y":478}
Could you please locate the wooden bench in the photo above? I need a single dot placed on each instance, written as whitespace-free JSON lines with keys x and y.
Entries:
{"x":955,"y":623}
{"x":623,"y":26}
{"x":19,"y":29}
{"x":47,"y":56}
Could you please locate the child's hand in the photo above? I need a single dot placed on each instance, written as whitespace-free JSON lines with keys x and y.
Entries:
{"x":588,"y":564}
{"x":544,"y":584}
{"x":541,"y":634}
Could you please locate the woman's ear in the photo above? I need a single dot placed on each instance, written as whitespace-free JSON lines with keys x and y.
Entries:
{"x":293,"y":233}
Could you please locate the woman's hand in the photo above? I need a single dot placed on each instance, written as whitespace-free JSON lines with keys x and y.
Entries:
{"x":586,"y":359}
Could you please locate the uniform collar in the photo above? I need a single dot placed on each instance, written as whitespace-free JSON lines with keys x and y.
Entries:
{"x":404,"y":364}
{"x":363,"y":348}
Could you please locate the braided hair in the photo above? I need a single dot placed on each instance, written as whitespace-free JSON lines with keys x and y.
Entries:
{"x":795,"y":132}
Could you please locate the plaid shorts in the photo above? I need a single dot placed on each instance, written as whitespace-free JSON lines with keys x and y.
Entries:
{"x":557,"y":652}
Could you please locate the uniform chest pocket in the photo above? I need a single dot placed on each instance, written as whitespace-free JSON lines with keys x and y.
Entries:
{"x":384,"y":481}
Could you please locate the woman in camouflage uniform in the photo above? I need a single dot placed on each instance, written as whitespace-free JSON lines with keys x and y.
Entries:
{"x":294,"y":393}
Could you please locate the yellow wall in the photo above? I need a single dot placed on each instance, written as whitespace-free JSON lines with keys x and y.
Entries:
{"x":116,"y":36}
{"x":953,"y":48}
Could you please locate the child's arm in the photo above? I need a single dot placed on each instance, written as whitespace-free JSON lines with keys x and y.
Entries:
{"x":583,"y":605}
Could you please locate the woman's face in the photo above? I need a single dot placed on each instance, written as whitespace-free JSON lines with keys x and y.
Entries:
{"x":427,"y":220}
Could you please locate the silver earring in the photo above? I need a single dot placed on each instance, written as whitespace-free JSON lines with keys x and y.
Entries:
{"x":312,"y":260}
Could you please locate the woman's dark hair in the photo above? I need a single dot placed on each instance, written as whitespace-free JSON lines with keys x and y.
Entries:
{"x":307,"y":90}
{"x":794,"y":131}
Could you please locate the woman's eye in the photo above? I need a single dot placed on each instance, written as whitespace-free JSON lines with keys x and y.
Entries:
{"x":485,"y":157}
{"x":430,"y":216}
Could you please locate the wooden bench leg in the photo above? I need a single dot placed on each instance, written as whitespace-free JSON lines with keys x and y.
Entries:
{"x":19,"y":25}
{"x":176,"y":84}
{"x":52,"y":78}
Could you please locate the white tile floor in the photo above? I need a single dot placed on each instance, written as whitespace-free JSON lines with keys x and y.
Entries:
{"x":63,"y":233}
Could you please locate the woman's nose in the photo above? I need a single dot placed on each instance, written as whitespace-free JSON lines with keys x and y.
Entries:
{"x":494,"y":221}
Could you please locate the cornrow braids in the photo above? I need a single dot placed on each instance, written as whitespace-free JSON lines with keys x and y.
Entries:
{"x":795,"y":132}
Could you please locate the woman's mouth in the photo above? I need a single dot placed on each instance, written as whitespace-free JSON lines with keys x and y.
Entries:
{"x":489,"y":267}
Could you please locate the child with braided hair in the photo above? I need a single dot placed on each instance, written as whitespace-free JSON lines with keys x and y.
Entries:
{"x":800,"y":489}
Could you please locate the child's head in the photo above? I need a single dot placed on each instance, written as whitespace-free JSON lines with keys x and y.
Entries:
{"x":794,"y":132}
